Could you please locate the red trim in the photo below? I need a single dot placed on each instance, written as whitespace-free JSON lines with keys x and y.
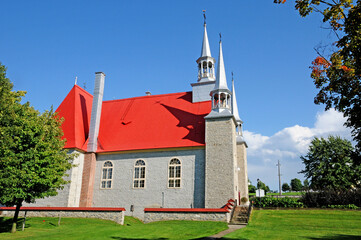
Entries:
{"x":231,"y":200}
{"x":208,"y":210}
{"x":63,"y":209}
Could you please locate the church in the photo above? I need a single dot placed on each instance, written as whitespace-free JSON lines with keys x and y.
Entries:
{"x":176,"y":150}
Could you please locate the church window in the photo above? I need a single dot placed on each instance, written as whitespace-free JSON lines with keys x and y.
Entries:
{"x":107,"y":175}
{"x":174,"y":175}
{"x":139,"y":174}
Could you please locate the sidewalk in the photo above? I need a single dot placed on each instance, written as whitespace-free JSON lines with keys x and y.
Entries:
{"x":231,"y":228}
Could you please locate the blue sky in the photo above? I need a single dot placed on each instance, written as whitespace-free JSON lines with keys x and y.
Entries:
{"x":152,"y":46}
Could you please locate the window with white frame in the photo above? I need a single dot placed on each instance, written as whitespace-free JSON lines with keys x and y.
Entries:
{"x":139,"y":174}
{"x":107,"y":175}
{"x":174,"y":175}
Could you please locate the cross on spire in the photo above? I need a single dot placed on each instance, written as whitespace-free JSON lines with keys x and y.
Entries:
{"x":204,"y":16}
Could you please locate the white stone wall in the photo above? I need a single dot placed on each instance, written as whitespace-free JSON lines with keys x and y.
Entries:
{"x":221,"y":179}
{"x":242,"y":169}
{"x":156,"y":192}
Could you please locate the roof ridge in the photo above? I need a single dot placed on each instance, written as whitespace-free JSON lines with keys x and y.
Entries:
{"x":149,"y":96}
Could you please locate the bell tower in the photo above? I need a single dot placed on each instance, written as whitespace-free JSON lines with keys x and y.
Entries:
{"x":221,"y":181}
{"x":206,"y":66}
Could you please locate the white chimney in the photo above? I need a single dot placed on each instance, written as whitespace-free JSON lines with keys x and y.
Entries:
{"x":96,"y":111}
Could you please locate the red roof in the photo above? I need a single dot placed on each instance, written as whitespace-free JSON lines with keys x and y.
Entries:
{"x":148,"y":122}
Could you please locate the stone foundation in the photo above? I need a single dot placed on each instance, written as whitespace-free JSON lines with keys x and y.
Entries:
{"x":113,"y":214}
{"x":194,"y":214}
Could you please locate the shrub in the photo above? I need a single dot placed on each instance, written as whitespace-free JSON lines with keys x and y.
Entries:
{"x":349,"y":206}
{"x":331,"y":197}
{"x":285,"y":202}
{"x":244,"y":200}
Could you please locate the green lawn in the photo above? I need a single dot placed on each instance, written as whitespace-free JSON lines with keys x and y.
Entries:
{"x":301,"y":224}
{"x":77,"y":228}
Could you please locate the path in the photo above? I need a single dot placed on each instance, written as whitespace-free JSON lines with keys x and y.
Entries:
{"x":231,"y":228}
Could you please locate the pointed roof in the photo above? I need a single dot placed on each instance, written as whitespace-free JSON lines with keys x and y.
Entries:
{"x":234,"y":104}
{"x":76,"y":109}
{"x":221,"y":81}
{"x":206,"y":51}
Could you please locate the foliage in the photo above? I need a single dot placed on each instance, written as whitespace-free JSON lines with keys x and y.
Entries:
{"x":32,"y":159}
{"x":331,"y":197}
{"x":284,"y":202}
{"x":300,"y":224}
{"x":296,"y":185}
{"x":262,"y":185}
{"x":329,"y":164}
{"x":251,"y":188}
{"x":285,"y":187}
{"x":86,"y":228}
{"x":338,"y":75}
{"x":306,"y":185}
{"x":244,"y":200}
{"x":348,"y":206}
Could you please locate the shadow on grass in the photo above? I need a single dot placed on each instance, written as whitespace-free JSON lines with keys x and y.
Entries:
{"x":121,"y":238}
{"x":6,"y":224}
{"x":336,"y":237}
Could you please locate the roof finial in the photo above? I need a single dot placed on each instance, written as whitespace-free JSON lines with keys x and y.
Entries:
{"x":204,"y":16}
{"x":232,"y":75}
{"x":220,"y":37}
{"x":76,"y":80}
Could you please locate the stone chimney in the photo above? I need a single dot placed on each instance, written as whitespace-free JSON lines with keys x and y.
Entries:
{"x":96,"y":111}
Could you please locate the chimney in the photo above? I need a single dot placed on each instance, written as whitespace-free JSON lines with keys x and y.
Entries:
{"x":96,"y":111}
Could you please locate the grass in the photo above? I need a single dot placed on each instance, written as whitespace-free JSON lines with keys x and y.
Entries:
{"x":301,"y":224}
{"x":264,"y":224}
{"x":86,"y":228}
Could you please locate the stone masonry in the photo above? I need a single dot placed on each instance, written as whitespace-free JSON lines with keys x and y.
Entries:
{"x":221,"y":177}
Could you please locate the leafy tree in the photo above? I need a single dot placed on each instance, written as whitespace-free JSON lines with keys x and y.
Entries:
{"x":306,"y":185}
{"x":329,"y":165}
{"x":261,"y":185}
{"x":337,"y":73}
{"x":285,"y":187}
{"x":296,"y":185}
{"x":32,"y":159}
{"x":252,"y":188}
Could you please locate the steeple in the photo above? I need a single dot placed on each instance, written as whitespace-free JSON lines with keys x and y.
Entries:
{"x":205,"y":61}
{"x":221,"y":96}
{"x":235,"y":110}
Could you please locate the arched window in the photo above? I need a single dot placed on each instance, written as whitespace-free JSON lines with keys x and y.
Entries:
{"x":174,"y":175}
{"x":139,"y":174}
{"x":107,"y":175}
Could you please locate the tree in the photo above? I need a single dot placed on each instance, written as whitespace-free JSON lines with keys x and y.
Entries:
{"x":329,"y":165}
{"x":306,"y":185}
{"x":251,"y":188}
{"x":337,"y":73}
{"x":32,"y":159}
{"x":296,"y":185}
{"x":285,"y":187}
{"x":261,"y":185}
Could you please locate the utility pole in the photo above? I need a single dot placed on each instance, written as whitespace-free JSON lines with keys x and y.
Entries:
{"x":279,"y":176}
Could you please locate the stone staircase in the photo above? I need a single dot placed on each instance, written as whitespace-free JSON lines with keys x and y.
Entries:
{"x":240,"y":215}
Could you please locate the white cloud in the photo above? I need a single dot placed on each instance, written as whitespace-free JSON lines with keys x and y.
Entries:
{"x":287,"y":146}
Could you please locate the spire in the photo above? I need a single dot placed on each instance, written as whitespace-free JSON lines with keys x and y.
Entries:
{"x":205,"y":61}
{"x":206,"y":51}
{"x":234,"y":104}
{"x":221,"y":81}
{"x":221,"y":96}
